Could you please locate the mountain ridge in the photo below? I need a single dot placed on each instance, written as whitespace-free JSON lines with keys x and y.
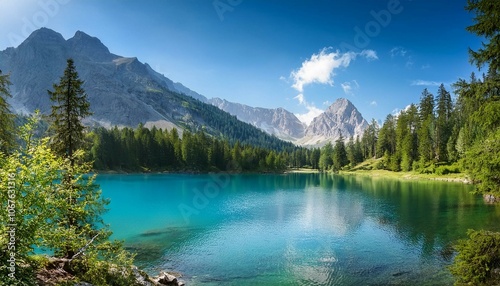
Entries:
{"x":278,"y":121}
{"x":122,"y":91}
{"x":125,"y":92}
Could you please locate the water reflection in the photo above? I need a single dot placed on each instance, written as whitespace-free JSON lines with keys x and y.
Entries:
{"x":296,"y":229}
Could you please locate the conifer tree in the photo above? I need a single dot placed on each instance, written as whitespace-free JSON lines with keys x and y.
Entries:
{"x":79,"y":202}
{"x":443,"y":123}
{"x":339,"y":154}
{"x":426,"y":140}
{"x":6,"y":117}
{"x":325,"y":158}
{"x":70,"y":106}
{"x":387,"y":136}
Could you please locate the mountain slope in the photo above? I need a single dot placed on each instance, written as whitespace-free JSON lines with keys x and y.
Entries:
{"x":122,"y":91}
{"x":279,"y":122}
{"x":341,"y":117}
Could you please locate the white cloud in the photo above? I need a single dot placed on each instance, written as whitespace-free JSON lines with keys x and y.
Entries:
{"x":327,"y":103}
{"x":409,"y":62}
{"x":320,"y":67}
{"x":300,"y":98}
{"x":349,"y":86}
{"x":420,"y":82}
{"x":373,"y":103}
{"x":403,"y":53}
{"x":369,"y":54}
{"x":346,"y":86}
{"x":426,"y":66}
{"x":312,"y":112}
{"x":398,"y":51}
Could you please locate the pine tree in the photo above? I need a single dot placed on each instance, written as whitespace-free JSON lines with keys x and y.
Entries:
{"x":70,"y":106}
{"x":425,"y":133}
{"x":369,"y":140}
{"x":325,"y":158}
{"x":406,"y":136}
{"x":443,"y":123}
{"x":487,"y":25}
{"x":387,"y":136}
{"x":351,"y":156}
{"x":339,"y":154}
{"x":6,"y":116}
{"x":426,"y":107}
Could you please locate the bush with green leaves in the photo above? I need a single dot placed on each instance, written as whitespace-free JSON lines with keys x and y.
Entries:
{"x":59,"y":208}
{"x":29,"y":174}
{"x":478,"y":259}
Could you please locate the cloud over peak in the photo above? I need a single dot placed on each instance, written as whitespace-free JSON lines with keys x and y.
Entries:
{"x":320,"y":67}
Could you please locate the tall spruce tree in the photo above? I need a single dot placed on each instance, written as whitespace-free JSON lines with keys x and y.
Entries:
{"x":443,"y":123}
{"x":70,"y":106}
{"x":79,"y":198}
{"x":426,"y":139}
{"x":6,"y":116}
{"x":387,"y":136}
{"x":339,"y":154}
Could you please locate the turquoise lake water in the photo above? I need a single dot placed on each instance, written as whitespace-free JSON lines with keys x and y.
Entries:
{"x":293,"y":229}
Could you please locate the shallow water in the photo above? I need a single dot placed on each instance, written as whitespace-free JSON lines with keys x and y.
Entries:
{"x":293,"y":229}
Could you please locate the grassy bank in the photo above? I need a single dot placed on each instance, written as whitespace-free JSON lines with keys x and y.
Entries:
{"x":460,"y":177}
{"x":369,"y":168}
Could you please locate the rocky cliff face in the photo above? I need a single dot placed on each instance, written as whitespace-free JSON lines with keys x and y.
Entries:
{"x":279,"y":122}
{"x":341,"y":117}
{"x":122,"y":91}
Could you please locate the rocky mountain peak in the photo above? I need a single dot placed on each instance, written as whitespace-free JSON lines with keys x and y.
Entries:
{"x":88,"y":46}
{"x":342,"y":117}
{"x":340,"y":104}
{"x":43,"y":36}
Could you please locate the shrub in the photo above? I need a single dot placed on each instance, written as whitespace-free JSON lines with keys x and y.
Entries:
{"x":478,"y":259}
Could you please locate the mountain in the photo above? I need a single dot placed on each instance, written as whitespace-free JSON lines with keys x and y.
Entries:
{"x":341,"y":117}
{"x":121,"y":90}
{"x":279,"y":122}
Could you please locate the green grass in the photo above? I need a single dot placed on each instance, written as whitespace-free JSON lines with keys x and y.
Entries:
{"x":368,"y":168}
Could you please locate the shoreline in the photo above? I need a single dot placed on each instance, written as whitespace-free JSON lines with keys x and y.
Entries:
{"x":460,"y":177}
{"x":456,"y":178}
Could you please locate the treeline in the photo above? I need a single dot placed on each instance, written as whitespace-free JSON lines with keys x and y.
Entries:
{"x":429,"y":137}
{"x":143,"y":149}
{"x":224,"y":125}
{"x":191,"y":114}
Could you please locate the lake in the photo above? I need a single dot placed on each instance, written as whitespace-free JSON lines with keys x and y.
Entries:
{"x":293,"y":229}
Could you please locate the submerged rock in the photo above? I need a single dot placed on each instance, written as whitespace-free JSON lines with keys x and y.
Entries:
{"x":491,"y":199}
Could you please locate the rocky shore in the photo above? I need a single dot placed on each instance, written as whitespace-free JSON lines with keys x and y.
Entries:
{"x":55,"y":273}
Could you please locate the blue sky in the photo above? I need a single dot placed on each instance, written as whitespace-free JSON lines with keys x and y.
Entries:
{"x":296,"y":54}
